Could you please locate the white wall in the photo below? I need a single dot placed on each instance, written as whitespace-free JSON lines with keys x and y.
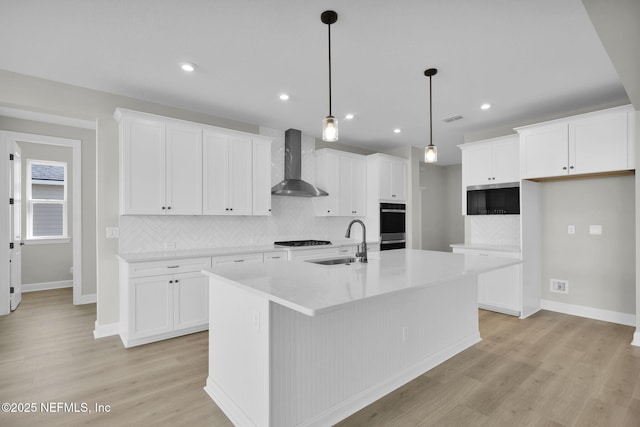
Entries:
{"x":442,"y":222}
{"x":600,"y":268}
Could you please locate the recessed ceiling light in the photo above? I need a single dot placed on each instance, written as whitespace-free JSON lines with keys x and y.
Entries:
{"x":485,"y":106}
{"x":187,"y":66}
{"x":349,"y":116}
{"x":284,"y":96}
{"x":397,"y":130}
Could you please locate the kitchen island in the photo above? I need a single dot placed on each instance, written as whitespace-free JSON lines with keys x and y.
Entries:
{"x":299,"y":343}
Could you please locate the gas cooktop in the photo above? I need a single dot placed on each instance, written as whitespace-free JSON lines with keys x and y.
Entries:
{"x":303,"y":243}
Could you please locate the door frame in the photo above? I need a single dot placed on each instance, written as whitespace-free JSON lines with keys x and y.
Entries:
{"x":6,"y":139}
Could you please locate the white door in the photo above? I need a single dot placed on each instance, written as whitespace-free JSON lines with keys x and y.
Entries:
{"x":15,"y":254}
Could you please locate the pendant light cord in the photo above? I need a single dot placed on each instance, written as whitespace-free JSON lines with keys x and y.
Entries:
{"x":329,"y":32}
{"x":430,"y":114}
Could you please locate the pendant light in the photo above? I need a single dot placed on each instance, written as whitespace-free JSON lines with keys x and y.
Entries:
{"x":329,"y":124}
{"x":430,"y":151}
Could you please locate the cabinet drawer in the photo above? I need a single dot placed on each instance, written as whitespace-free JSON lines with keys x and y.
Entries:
{"x":313,"y":253}
{"x":487,"y":252}
{"x":347,"y":250}
{"x":227,"y":259}
{"x":158,"y":268}
{"x":275,"y":256}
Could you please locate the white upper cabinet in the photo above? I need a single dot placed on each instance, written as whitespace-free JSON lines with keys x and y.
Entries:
{"x":353,"y":187}
{"x":174,"y":167}
{"x":390,"y":175}
{"x":492,"y":161}
{"x":591,"y":143}
{"x":343,"y":176}
{"x":184,"y":169}
{"x":261,"y":176}
{"x":327,"y":179}
{"x":228,"y":175}
{"x":393,"y":179}
{"x":161,"y":170}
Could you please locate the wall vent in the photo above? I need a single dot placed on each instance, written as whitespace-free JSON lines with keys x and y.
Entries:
{"x":452,"y":118}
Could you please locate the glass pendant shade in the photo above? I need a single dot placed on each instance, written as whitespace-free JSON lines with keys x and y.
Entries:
{"x":430,"y":154}
{"x":330,"y":129}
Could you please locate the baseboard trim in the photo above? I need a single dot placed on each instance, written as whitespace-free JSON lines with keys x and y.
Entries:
{"x":636,"y":338}
{"x":86,"y":299}
{"x":590,"y":313}
{"x":44,"y":286}
{"x":107,"y":330}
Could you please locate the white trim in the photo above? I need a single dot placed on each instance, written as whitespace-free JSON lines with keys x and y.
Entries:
{"x":87,"y":299}
{"x":32,"y":287}
{"x":75,"y":145}
{"x":589,"y":312}
{"x":636,"y":338}
{"x":107,"y":330}
{"x":47,"y":241}
{"x":47,"y":118}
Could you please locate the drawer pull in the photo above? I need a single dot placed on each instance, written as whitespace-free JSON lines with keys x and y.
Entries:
{"x":238,"y":260}
{"x":275,"y":257}
{"x":173,"y":266}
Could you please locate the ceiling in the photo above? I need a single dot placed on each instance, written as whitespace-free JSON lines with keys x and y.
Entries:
{"x":529,"y":59}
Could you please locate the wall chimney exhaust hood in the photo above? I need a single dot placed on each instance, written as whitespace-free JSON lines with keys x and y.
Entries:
{"x":293,"y":185}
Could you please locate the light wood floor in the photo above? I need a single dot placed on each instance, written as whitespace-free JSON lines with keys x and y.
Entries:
{"x":548,"y":370}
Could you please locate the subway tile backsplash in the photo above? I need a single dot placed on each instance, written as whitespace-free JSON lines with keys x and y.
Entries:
{"x":292,"y":218}
{"x":501,"y":230}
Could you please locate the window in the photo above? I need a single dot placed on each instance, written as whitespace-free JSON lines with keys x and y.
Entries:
{"x":46,"y":199}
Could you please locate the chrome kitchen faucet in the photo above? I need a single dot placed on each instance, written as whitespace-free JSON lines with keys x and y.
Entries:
{"x":362,"y":249}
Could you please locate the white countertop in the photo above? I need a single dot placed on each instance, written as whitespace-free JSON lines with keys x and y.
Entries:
{"x":210,"y":252}
{"x":486,"y":247}
{"x":313,"y":289}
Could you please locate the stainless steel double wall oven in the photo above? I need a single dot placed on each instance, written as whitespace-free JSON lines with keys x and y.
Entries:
{"x":392,"y":226}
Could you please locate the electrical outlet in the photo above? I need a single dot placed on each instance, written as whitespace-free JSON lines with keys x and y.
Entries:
{"x":113,"y":232}
{"x":571,"y":229}
{"x":561,"y":286}
{"x":595,"y":229}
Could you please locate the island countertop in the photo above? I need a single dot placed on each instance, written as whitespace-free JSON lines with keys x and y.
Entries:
{"x":313,"y":289}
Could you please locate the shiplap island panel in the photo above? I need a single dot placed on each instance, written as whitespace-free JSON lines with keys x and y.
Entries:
{"x":302,"y":344}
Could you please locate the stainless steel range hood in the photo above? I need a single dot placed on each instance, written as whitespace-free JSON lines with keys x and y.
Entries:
{"x":293,"y":185}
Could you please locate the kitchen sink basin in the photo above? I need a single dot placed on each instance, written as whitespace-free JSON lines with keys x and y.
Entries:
{"x":334,"y":261}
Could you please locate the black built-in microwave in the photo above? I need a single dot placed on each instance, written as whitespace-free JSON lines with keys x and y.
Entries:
{"x":494,"y":199}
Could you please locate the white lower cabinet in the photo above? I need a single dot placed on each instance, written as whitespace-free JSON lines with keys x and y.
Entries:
{"x":162,"y":299}
{"x":498,"y":290}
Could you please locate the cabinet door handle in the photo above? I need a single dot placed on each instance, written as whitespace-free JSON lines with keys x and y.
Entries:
{"x":176,"y":281}
{"x":163,"y":208}
{"x":173,"y":266}
{"x":564,"y":168}
{"x":238,"y":260}
{"x":570,"y":167}
{"x":170,"y":281}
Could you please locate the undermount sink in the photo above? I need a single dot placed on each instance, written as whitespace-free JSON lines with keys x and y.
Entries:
{"x":333,"y":261}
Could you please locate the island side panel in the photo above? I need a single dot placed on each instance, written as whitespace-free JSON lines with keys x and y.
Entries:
{"x":238,"y":378}
{"x":327,"y":367}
